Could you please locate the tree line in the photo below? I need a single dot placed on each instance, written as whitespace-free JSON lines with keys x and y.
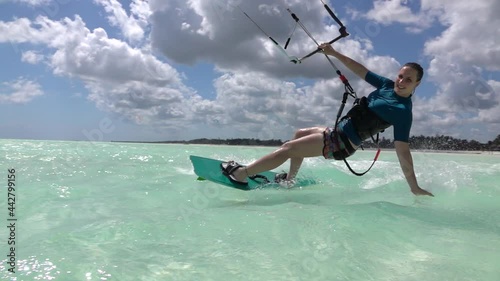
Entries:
{"x":416,"y":142}
{"x":239,"y":141}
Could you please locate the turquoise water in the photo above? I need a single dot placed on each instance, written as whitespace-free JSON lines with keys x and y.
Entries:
{"x":117,"y":211}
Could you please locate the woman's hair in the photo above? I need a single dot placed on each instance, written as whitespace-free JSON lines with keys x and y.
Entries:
{"x":417,"y":67}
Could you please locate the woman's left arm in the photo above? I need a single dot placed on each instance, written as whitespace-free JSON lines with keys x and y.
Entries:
{"x":406,"y":162}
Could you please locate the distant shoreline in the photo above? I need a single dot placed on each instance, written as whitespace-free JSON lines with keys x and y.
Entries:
{"x":417,"y":143}
{"x":277,"y":143}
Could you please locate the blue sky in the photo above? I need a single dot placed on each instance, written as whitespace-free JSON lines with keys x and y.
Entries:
{"x":171,"y":70}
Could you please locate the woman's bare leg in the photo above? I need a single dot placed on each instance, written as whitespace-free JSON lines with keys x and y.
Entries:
{"x":310,"y":145}
{"x":296,"y":162}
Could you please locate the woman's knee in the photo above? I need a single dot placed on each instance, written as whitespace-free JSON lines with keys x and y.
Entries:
{"x":285,"y":149}
{"x":307,"y":131}
{"x":307,"y":146}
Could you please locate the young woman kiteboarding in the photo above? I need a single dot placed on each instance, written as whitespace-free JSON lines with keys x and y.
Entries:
{"x":390,"y":104}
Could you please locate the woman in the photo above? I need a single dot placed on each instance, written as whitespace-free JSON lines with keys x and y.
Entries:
{"x":390,"y":103}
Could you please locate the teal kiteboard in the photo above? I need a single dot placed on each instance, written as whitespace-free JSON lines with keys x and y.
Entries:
{"x":210,"y":169}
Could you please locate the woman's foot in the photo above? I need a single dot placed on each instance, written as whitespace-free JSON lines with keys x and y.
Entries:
{"x":234,"y":172}
{"x":283,"y":180}
{"x":281,"y":177}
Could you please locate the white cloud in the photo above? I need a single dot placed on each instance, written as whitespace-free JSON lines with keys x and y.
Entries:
{"x":33,"y":3}
{"x":141,"y":11}
{"x":20,"y":91}
{"x":32,"y":57}
{"x":139,"y":102}
{"x":388,"y":12}
{"x":398,"y":11}
{"x":42,"y":30}
{"x":121,"y":79}
{"x":471,"y":36}
{"x":88,"y":54}
{"x":492,"y":114}
{"x":254,"y":104}
{"x":207,"y":31}
{"x":223,"y":35}
{"x":462,"y":59}
{"x":131,"y":26}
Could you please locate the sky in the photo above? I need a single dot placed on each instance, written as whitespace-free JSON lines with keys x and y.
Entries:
{"x":155,"y":70}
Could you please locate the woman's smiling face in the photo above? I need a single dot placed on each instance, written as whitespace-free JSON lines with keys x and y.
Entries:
{"x":406,"y":81}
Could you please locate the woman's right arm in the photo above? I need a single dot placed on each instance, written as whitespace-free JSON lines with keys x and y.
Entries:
{"x":353,"y":65}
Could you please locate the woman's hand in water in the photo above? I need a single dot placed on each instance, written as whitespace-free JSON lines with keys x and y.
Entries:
{"x":420,"y":191}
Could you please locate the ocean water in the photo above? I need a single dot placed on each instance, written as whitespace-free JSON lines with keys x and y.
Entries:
{"x":126,"y":211}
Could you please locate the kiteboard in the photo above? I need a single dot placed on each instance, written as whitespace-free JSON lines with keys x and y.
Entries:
{"x":210,"y":169}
